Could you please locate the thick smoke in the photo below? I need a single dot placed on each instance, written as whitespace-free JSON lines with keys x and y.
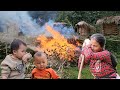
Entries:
{"x":21,"y":21}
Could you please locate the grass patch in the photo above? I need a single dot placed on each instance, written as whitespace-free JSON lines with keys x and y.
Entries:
{"x":72,"y":73}
{"x":86,"y":74}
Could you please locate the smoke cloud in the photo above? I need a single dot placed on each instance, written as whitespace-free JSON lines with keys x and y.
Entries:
{"x":21,"y":21}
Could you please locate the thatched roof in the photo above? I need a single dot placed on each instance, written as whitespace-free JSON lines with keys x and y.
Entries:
{"x":83,"y":23}
{"x":108,"y":20}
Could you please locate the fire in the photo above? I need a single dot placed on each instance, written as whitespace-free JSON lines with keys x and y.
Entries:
{"x":58,"y":45}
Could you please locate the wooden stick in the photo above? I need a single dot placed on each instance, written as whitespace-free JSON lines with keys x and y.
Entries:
{"x":81,"y":65}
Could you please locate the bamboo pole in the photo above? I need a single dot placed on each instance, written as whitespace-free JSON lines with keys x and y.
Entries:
{"x":81,"y":65}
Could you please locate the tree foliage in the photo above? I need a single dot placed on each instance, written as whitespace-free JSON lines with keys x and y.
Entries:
{"x":44,"y":16}
{"x":91,"y":17}
{"x":71,"y":17}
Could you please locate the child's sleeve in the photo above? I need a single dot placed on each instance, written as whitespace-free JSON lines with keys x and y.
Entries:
{"x":54,"y":74}
{"x":90,"y":55}
{"x":5,"y":71}
{"x":103,"y":55}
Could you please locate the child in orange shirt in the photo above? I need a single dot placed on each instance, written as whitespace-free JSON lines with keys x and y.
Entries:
{"x":41,"y":72}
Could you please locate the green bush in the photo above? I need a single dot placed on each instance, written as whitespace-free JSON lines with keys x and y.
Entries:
{"x":113,"y":45}
{"x":3,"y":49}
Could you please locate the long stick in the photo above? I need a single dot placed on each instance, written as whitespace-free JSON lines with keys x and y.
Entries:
{"x":81,"y":65}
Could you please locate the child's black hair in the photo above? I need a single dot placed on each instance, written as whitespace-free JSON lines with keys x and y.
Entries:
{"x":99,"y":38}
{"x":15,"y":44}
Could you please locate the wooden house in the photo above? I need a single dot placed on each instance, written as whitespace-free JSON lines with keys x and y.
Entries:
{"x":109,"y":25}
{"x":84,"y":29}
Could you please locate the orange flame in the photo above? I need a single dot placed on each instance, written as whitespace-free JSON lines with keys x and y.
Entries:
{"x":58,"y":45}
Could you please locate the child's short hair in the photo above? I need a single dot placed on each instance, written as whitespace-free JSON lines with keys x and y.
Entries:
{"x":99,"y":38}
{"x":40,"y":54}
{"x":15,"y":44}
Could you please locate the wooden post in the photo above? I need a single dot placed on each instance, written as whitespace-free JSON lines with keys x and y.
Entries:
{"x":81,"y":65}
{"x":6,"y":48}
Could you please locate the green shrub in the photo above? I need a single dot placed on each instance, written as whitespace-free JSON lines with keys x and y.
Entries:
{"x":113,"y":45}
{"x":4,"y":50}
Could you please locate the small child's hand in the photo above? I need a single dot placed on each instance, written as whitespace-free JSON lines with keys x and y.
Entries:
{"x":26,"y":57}
{"x":86,"y":42}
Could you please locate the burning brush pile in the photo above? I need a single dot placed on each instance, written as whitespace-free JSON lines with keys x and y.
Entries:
{"x":60,"y":52}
